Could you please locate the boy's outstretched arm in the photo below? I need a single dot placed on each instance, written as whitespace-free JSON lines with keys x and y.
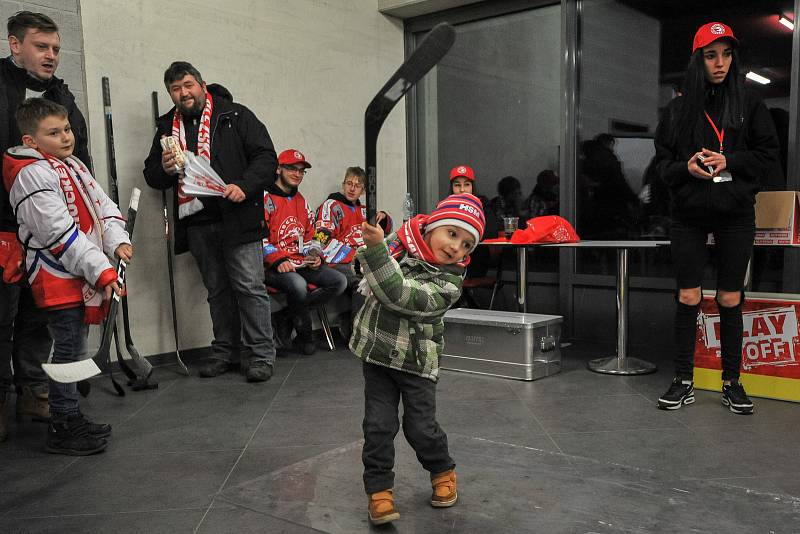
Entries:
{"x":398,"y":293}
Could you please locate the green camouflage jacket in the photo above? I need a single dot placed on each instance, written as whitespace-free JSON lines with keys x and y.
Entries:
{"x":400,"y":325}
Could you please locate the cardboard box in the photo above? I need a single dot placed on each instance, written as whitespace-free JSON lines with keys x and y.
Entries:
{"x":777,"y":218}
{"x":770,"y":347}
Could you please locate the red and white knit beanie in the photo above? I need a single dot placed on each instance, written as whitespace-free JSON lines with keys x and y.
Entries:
{"x":464,"y":211}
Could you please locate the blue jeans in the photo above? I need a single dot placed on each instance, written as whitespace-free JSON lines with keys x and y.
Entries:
{"x":24,"y":339}
{"x":69,"y":336}
{"x":237,"y":297}
{"x":329,"y":282}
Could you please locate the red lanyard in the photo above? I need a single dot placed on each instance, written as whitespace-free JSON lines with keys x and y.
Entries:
{"x":720,"y":133}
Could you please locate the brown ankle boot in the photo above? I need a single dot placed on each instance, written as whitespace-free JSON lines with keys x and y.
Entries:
{"x":4,"y":416}
{"x":444,"y":489}
{"x":33,"y":404}
{"x":381,"y":508}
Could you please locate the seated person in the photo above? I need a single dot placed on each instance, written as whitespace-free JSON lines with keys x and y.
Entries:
{"x":462,"y":180}
{"x":544,"y":197}
{"x":508,"y":202}
{"x":338,"y":229}
{"x":292,"y":258}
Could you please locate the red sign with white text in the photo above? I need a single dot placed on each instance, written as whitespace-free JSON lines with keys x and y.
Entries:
{"x":770,"y":344}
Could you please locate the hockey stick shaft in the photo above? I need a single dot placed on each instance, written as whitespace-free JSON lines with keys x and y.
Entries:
{"x":112,"y":160}
{"x":429,"y":52}
{"x":111,"y":317}
{"x":167,"y":240}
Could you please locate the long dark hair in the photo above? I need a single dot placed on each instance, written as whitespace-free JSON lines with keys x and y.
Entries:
{"x":474,"y":188}
{"x":689,"y":115}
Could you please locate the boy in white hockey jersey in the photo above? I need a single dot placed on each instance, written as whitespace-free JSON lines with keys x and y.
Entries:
{"x":68,"y":228}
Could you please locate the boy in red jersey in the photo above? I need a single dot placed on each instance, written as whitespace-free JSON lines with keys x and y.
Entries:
{"x":292,"y":258}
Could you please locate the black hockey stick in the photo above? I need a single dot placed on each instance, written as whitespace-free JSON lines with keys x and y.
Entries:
{"x":137,"y":380}
{"x":428,"y":53}
{"x":110,"y":322}
{"x":170,"y":267}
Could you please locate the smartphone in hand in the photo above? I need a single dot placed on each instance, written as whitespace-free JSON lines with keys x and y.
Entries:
{"x":701,"y":158}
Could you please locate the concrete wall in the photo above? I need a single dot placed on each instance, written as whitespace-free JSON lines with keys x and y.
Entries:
{"x":306,"y":68}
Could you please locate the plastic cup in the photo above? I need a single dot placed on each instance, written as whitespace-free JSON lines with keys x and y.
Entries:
{"x":510,"y":226}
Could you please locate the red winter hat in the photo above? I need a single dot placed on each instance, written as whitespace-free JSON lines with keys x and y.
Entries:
{"x":292,"y":157}
{"x":464,"y":211}
{"x":462,"y":170}
{"x":710,"y":32}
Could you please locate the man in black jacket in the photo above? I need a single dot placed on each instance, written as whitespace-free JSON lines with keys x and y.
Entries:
{"x":29,"y":71}
{"x":223,"y":234}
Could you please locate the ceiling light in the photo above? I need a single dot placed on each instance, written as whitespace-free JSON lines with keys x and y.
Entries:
{"x":786,"y":22}
{"x":757,"y":78}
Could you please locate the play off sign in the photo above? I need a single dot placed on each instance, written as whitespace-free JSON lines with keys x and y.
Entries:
{"x":769,"y":336}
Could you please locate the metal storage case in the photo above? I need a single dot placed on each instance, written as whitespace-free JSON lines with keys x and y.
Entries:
{"x":523,"y":346}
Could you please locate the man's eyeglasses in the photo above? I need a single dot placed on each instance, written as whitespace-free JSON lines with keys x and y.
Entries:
{"x":354,"y":185}
{"x":295,"y":169}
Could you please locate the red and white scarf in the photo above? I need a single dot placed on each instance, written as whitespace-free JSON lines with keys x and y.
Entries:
{"x":411,"y":239}
{"x":81,"y":203}
{"x":189,"y":205}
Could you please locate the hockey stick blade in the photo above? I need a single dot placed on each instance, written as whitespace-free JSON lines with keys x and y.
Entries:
{"x":429,"y":52}
{"x":167,"y":240}
{"x":66,"y":373}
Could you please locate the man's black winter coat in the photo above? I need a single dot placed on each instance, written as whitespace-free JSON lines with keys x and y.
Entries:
{"x":13,"y":82}
{"x":241,"y":152}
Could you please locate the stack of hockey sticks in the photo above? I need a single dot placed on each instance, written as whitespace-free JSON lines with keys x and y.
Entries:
{"x":79,"y":372}
{"x":138,"y":379}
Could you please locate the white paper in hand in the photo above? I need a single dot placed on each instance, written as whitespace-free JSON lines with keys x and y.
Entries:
{"x":71,"y":372}
{"x":200,"y":179}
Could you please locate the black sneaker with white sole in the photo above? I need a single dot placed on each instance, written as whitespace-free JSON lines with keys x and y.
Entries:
{"x":735,"y":398}
{"x":678,"y":394}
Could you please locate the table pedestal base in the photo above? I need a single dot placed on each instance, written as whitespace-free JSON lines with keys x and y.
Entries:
{"x":621,"y":366}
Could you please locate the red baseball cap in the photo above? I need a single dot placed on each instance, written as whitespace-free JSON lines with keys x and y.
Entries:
{"x":292,"y":156}
{"x":710,"y":32}
{"x":462,"y":170}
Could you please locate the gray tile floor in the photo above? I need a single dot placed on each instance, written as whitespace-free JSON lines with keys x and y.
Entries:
{"x":577,"y":452}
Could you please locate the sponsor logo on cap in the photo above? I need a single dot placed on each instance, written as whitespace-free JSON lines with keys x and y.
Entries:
{"x":717,"y":29}
{"x":461,"y":170}
{"x":298,"y":155}
{"x":471,"y":209}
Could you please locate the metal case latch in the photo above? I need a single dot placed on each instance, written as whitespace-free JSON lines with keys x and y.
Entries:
{"x":547,"y":343}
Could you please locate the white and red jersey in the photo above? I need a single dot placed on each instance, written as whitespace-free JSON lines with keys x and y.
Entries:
{"x":338,"y":227}
{"x":69,"y":228}
{"x":290,"y":223}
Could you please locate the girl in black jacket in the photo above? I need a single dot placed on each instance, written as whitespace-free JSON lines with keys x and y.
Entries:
{"x":462,"y":180}
{"x":714,"y":145}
